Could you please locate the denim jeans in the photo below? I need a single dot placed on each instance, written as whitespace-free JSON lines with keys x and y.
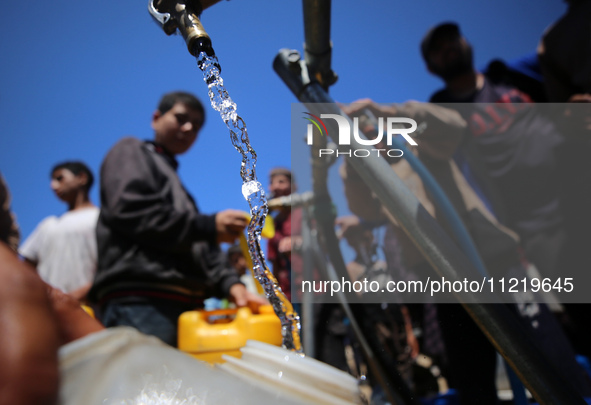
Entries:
{"x":158,"y":318}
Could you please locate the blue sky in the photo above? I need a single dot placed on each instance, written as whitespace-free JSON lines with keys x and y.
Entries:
{"x":78,"y":76}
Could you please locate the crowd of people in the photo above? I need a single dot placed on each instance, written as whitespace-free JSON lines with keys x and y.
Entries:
{"x":517,"y":177}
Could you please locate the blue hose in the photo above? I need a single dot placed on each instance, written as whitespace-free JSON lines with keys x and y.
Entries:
{"x":450,"y":216}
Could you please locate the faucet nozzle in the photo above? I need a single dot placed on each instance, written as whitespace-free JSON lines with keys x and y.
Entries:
{"x":184,"y":16}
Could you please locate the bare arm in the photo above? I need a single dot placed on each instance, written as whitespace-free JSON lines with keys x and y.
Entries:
{"x":443,"y":128}
{"x":30,"y":338}
{"x":36,"y":319}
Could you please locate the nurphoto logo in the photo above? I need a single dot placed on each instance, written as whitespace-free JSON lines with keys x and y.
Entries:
{"x":393,"y":126}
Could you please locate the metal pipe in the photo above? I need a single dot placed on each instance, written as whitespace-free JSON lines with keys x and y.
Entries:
{"x":317,"y":45}
{"x":496,"y":321}
{"x":307,"y":296}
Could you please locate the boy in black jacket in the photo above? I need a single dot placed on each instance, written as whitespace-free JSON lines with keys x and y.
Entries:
{"x":158,"y":255}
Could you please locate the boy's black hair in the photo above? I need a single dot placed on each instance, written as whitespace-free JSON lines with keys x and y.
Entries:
{"x":170,"y":99}
{"x":76,"y":167}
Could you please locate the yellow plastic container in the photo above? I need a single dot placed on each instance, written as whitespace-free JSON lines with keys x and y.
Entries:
{"x":207,"y":335}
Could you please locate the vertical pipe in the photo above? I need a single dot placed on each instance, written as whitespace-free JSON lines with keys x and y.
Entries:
{"x":317,"y":45}
{"x":307,"y":296}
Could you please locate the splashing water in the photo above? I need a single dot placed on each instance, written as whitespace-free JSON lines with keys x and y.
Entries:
{"x":253,"y":192}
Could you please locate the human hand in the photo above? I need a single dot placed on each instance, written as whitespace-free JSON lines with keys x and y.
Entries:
{"x":347,"y":224}
{"x":359,"y":107}
{"x":576,"y":115}
{"x":242,"y":297}
{"x":580,"y":98}
{"x":229,"y":225}
{"x":72,"y":321}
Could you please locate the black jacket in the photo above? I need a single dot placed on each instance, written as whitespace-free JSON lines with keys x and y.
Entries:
{"x":151,"y":236}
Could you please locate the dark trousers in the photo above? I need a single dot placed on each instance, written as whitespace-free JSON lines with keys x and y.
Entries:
{"x":155,"y":317}
{"x":472,"y":359}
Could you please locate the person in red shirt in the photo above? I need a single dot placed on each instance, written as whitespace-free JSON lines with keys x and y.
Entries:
{"x":279,"y":248}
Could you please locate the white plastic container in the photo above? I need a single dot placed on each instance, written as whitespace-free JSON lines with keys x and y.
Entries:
{"x":120,"y":366}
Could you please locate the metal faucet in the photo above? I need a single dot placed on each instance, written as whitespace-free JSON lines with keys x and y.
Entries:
{"x":184,"y":15}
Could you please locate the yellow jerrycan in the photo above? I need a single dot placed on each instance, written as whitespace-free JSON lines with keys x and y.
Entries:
{"x":207,"y":335}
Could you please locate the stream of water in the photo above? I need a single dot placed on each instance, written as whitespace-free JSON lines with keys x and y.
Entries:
{"x":254,"y":193}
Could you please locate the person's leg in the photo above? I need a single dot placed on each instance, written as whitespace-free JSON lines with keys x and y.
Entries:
{"x":155,"y":318}
{"x":547,"y":334}
{"x":330,"y":332}
{"x":471,"y":357}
